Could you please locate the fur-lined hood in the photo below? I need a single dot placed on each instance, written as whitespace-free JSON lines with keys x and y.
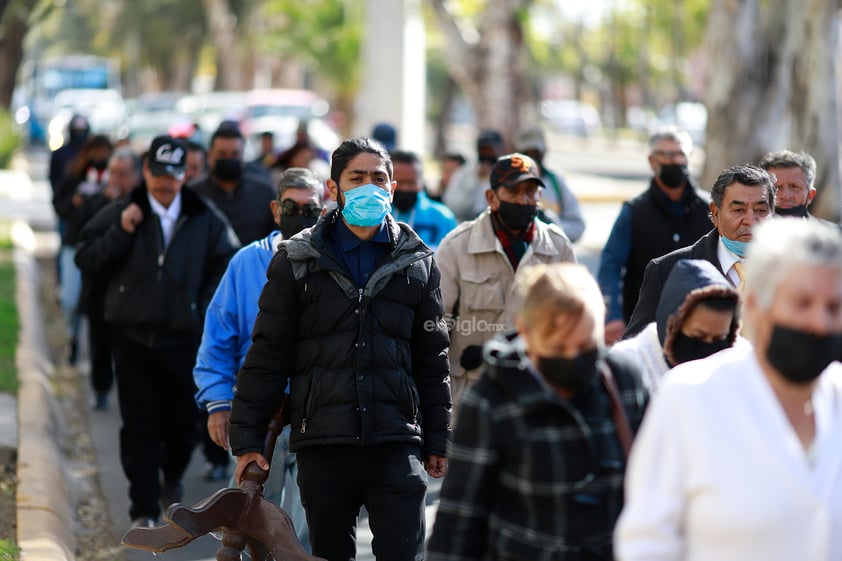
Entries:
{"x":689,"y":281}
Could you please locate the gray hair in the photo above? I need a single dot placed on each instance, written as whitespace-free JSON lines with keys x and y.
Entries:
{"x":671,"y":133}
{"x":127,"y":154}
{"x":789,"y":159}
{"x":782,"y":245}
{"x":746,"y":174}
{"x":300,"y":178}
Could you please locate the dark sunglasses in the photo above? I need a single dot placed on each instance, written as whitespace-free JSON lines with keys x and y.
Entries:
{"x":291,"y":208}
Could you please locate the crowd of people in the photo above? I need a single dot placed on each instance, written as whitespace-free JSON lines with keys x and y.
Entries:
{"x":683,"y":403}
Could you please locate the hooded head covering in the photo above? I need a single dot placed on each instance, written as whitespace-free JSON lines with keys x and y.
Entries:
{"x":690,"y":281}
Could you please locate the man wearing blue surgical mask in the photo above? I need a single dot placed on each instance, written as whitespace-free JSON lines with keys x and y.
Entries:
{"x":741,"y":197}
{"x":351,"y":316}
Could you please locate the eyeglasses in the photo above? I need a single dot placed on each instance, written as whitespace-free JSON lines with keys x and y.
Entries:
{"x":669,"y":154}
{"x":291,"y":208}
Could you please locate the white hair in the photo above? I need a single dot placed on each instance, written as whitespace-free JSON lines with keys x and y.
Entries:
{"x":671,"y":132}
{"x":780,"y":246}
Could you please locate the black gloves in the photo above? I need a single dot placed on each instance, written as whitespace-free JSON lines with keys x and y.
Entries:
{"x":471,"y":358}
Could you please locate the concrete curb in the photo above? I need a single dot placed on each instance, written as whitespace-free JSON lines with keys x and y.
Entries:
{"x":45,"y":517}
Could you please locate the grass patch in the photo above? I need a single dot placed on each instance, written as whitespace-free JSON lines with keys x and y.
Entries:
{"x":9,"y":326}
{"x":9,"y":551}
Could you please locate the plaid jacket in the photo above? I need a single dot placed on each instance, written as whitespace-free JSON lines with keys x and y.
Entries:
{"x":532,"y":476}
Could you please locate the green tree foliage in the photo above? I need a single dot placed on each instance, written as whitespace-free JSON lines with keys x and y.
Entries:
{"x":325,"y":36}
{"x":640,"y":46}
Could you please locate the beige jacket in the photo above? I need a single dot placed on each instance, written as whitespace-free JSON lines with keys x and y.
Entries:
{"x":477,"y":281}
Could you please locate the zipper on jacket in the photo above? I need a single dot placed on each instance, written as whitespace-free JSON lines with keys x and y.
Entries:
{"x":360,"y":291}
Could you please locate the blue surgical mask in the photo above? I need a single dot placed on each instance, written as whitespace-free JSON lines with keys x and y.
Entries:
{"x":736,"y":247}
{"x":366,"y":205}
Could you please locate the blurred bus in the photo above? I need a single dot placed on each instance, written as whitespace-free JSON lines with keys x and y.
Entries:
{"x":41,"y":80}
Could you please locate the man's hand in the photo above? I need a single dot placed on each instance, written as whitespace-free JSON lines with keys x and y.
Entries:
{"x":436,"y":466}
{"x":614,"y":330}
{"x":218,"y":427}
{"x":243,"y":462}
{"x":131,"y":217}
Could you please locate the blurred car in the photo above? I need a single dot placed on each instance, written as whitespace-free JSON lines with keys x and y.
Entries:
{"x":282,"y":112}
{"x":570,"y":116}
{"x":209,"y":109}
{"x":105,"y":110}
{"x":152,"y":114}
{"x":686,"y":115}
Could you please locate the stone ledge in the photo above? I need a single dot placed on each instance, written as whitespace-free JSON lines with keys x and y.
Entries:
{"x":44,"y":514}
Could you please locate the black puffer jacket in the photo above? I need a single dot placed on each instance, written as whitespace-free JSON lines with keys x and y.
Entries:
{"x":153,"y":294}
{"x":366,"y":366}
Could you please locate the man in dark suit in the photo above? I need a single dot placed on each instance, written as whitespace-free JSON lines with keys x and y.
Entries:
{"x":741,"y":197}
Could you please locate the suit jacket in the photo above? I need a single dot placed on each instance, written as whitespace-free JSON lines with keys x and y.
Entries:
{"x":656,"y":275}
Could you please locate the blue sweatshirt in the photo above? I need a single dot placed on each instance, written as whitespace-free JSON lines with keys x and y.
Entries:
{"x":228,"y":324}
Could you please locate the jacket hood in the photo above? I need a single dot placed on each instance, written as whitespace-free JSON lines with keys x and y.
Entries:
{"x":690,"y":281}
{"x":504,"y":351}
{"x":313,"y":242}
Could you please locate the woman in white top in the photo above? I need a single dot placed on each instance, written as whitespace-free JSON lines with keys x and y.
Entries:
{"x":740,"y":455}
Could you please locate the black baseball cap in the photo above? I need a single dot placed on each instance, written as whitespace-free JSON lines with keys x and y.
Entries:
{"x":511,"y":170}
{"x":167,"y":156}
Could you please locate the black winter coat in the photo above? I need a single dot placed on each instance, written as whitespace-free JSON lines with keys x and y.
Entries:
{"x":531,"y":475}
{"x":366,"y":366}
{"x":156,"y":294}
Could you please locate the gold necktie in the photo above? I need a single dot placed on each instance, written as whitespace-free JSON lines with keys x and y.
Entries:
{"x":738,"y":267}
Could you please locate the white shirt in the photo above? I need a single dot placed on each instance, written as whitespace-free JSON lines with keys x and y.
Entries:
{"x":726,"y":261}
{"x":167,"y":216}
{"x":717,"y":472}
{"x":645,"y":350}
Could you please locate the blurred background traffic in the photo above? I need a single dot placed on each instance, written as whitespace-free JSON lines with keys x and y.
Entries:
{"x":439,"y":70}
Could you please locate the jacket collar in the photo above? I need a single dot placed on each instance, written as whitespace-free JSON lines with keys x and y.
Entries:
{"x":312,"y":243}
{"x":483,"y":240}
{"x":509,"y":368}
{"x":191,"y":203}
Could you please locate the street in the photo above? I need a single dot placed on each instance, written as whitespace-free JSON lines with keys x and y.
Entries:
{"x":601,"y":174}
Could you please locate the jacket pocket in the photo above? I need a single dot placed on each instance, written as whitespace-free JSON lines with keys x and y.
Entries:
{"x":481,"y":291}
{"x":410,"y":401}
{"x":308,"y":396}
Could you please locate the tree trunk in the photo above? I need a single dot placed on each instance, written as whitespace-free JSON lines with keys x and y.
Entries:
{"x":222,"y":24}
{"x":489,"y":71}
{"x":440,"y":121}
{"x":14,"y":25}
{"x":771,"y":86}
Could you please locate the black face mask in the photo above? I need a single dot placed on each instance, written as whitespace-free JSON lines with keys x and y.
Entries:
{"x":673,"y":175}
{"x":800,"y":355}
{"x":799,"y":211}
{"x":686,"y":348}
{"x":228,"y":169}
{"x":405,"y":200}
{"x":570,"y":373}
{"x":77,"y":136}
{"x":292,"y":224}
{"x":100,"y":165}
{"x":516,"y":217}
